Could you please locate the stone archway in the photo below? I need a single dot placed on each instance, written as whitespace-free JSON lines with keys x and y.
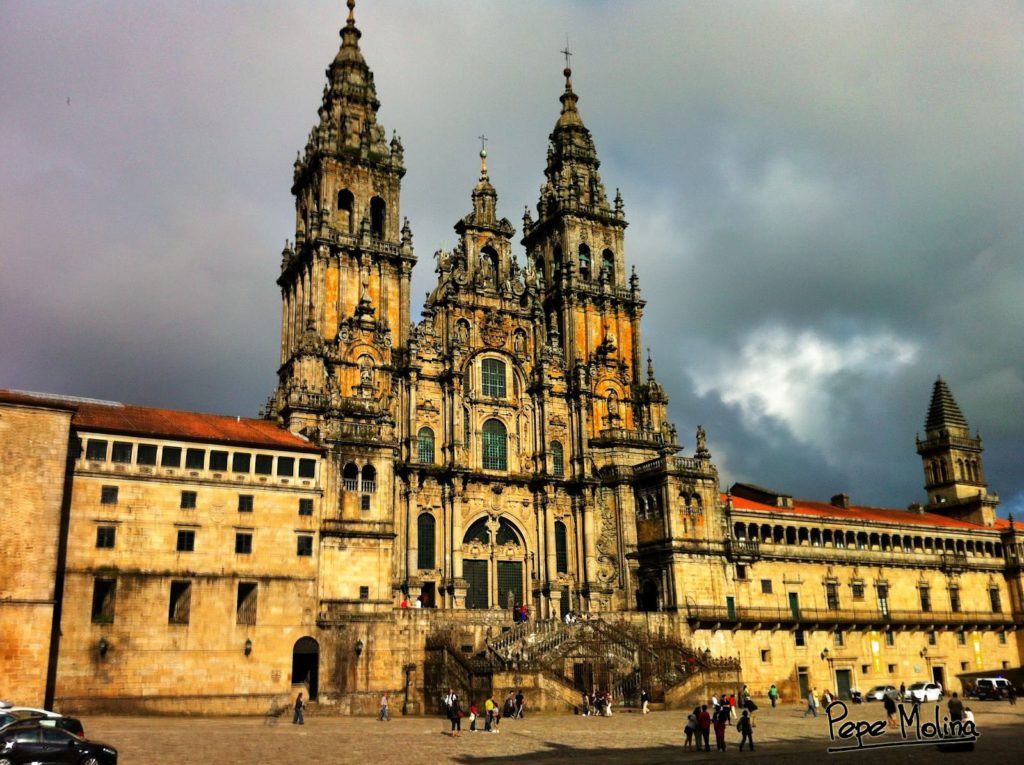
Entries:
{"x":306,"y":665}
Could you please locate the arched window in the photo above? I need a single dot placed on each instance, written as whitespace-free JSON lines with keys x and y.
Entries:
{"x":495,"y":443}
{"x":425,"y":540}
{"x":557,"y":459}
{"x":377,"y":210}
{"x":507,"y":534}
{"x":426,"y":446}
{"x":608,"y":265}
{"x":350,"y":477}
{"x":493,"y":378}
{"x":561,"y":549}
{"x":346,"y":203}
{"x":477,"y":533}
{"x":369,"y":479}
{"x":584,"y":261}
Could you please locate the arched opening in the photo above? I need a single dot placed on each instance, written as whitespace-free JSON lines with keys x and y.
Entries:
{"x":557,"y":460}
{"x":306,"y":665}
{"x":350,"y":477}
{"x":377,"y":215}
{"x":495,"y":445}
{"x":425,"y":446}
{"x":489,"y":267}
{"x":584,"y":262}
{"x":740,"y":530}
{"x":496,"y":574}
{"x":608,"y":265}
{"x":425,"y":541}
{"x":561,"y":549}
{"x":369,"y":479}
{"x":648,"y":595}
{"x":346,"y":204}
{"x":790,"y":535}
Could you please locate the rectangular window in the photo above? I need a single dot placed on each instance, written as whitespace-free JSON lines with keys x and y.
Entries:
{"x":364,"y":593}
{"x":121,"y":452}
{"x":798,"y":638}
{"x":218,"y":460}
{"x":264,"y":464}
{"x":103,"y":591}
{"x":926,"y":600}
{"x":963,"y":666}
{"x":307,"y":468}
{"x":766,"y":586}
{"x":195,"y":459}
{"x":954,"y":599}
{"x":832,"y":596}
{"x":932,"y":638}
{"x":188,"y":500}
{"x":243,"y":542}
{"x":766,"y":656}
{"x":891,"y":668}
{"x":286,"y":466}
{"x":108,"y":495}
{"x":304,"y":544}
{"x":96,"y":450}
{"x":994,"y":600}
{"x":1002,"y":638}
{"x":180,"y":606}
{"x":364,"y":503}
{"x":106,"y":536}
{"x":146,"y":454}
{"x":890,"y":638}
{"x":741,"y":571}
{"x":305,"y":507}
{"x":186,"y":540}
{"x":171,"y":457}
{"x":493,"y":378}
{"x":961,"y":638}
{"x":240,"y":462}
{"x":245,"y":604}
{"x":857,"y":590}
{"x":865,"y":668}
{"x":840,"y":639}
{"x":245,"y":503}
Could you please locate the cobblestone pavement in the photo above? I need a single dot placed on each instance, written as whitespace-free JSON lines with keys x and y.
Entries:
{"x":626,"y":738}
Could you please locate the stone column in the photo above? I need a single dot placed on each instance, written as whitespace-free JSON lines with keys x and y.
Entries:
{"x":590,"y":540}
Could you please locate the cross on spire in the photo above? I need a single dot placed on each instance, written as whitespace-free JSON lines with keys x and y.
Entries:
{"x":483,"y":142}
{"x":566,"y":52}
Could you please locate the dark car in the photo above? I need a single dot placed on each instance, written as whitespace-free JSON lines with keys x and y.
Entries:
{"x":28,"y":742}
{"x":70,"y":724}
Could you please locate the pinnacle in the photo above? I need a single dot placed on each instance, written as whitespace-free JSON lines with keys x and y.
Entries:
{"x":943,"y":411}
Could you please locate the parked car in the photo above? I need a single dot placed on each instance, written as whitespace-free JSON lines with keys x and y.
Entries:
{"x":879,"y":692}
{"x":28,"y":741}
{"x":990,"y":688}
{"x":925,"y":692}
{"x":44,"y":717}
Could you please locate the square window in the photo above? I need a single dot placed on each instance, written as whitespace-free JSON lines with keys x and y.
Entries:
{"x":799,"y":639}
{"x":865,"y":668}
{"x":766,"y":655}
{"x":108,"y":495}
{"x":964,"y":665}
{"x":103,"y":592}
{"x":106,"y":536}
{"x":307,"y":468}
{"x":305,"y":507}
{"x":180,"y":606}
{"x":245,"y":503}
{"x":122,"y":452}
{"x":304,"y":545}
{"x":171,"y":457}
{"x":245,"y":604}
{"x":364,"y":593}
{"x":195,"y":459}
{"x":243,"y":543}
{"x":96,"y":450}
{"x":1006,"y":665}
{"x":146,"y":454}
{"x":186,"y":540}
{"x":364,"y":503}
{"x":264,"y":464}
{"x":188,"y":500}
{"x":241,"y":462}
{"x":741,"y":571}
{"x":891,"y":668}
{"x":857,"y":588}
{"x":218,"y":460}
{"x":286,"y":466}
{"x":766,"y":586}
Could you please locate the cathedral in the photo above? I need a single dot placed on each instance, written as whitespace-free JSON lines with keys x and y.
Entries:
{"x":411,"y":484}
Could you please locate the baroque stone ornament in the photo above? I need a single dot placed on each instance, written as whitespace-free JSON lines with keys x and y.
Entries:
{"x":494,"y":331}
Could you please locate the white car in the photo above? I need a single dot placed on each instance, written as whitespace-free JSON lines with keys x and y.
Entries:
{"x":879,"y":692}
{"x":925,"y":692}
{"x":33,"y":711}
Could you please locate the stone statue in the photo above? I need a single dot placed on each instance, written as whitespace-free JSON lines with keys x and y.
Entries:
{"x":701,"y":439}
{"x":613,"y":406}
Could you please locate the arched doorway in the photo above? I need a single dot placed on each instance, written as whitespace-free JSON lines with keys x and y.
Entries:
{"x":494,"y":555}
{"x":306,"y":665}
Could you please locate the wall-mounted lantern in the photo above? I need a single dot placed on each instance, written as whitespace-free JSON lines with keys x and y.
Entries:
{"x":104,"y":646}
{"x":359,"y":648}
{"x":248,"y":646}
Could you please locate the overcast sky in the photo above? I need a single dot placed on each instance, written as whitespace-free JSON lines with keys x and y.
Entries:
{"x":825,"y":201}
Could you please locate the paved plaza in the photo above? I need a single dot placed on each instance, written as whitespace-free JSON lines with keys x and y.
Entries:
{"x":782,"y":734}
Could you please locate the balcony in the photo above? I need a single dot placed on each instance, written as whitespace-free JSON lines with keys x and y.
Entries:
{"x":742,"y":550}
{"x":770,"y":617}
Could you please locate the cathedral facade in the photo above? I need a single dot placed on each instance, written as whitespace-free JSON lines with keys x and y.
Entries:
{"x":512,"y":448}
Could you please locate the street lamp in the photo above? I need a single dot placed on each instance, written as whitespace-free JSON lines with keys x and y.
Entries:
{"x":831,"y":669}
{"x":359,"y":648}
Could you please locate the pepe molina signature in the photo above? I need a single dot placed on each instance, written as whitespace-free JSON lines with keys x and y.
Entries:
{"x":857,"y":735}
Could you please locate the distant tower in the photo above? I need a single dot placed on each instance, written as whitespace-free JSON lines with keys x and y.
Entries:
{"x":954,"y":474}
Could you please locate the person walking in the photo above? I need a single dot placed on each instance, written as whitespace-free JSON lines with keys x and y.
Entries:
{"x":297,"y":719}
{"x":1011,"y":695}
{"x":721,"y":720}
{"x":812,"y":703}
{"x":903,"y":691}
{"x":691,"y":727}
{"x":746,"y":728}
{"x":455,"y":716}
{"x":585,"y":705}
{"x":704,"y":726}
{"x":751,"y":707}
{"x":773,"y":695}
{"x":645,"y":702}
{"x":890,"y":709}
{"x":956,"y":707}
{"x":384,"y":713}
{"x":489,"y":710}
{"x":472,"y":718}
{"x":520,"y":700}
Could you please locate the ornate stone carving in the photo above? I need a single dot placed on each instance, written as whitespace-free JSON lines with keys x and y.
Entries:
{"x":494,"y":331}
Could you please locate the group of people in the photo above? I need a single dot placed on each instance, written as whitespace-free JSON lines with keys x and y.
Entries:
{"x":596,"y":704}
{"x":724,"y":709}
{"x":514,"y":707}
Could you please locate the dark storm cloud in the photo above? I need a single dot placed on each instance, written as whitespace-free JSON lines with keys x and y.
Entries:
{"x":824,"y":201}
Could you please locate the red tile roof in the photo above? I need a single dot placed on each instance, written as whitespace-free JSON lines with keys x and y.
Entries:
{"x":873,"y":514}
{"x":111,"y":417}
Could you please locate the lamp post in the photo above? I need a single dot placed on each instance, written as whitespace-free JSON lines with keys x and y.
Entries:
{"x":826,"y":656}
{"x":408,"y":681}
{"x":927,"y":661}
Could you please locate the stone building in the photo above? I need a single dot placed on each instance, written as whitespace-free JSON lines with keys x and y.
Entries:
{"x":510,"y":448}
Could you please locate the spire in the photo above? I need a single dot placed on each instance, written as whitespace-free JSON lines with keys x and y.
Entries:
{"x":485,"y":201}
{"x":350,"y":35}
{"x":943,"y":412}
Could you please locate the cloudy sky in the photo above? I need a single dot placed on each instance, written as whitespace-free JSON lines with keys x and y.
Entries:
{"x":825,"y":201}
